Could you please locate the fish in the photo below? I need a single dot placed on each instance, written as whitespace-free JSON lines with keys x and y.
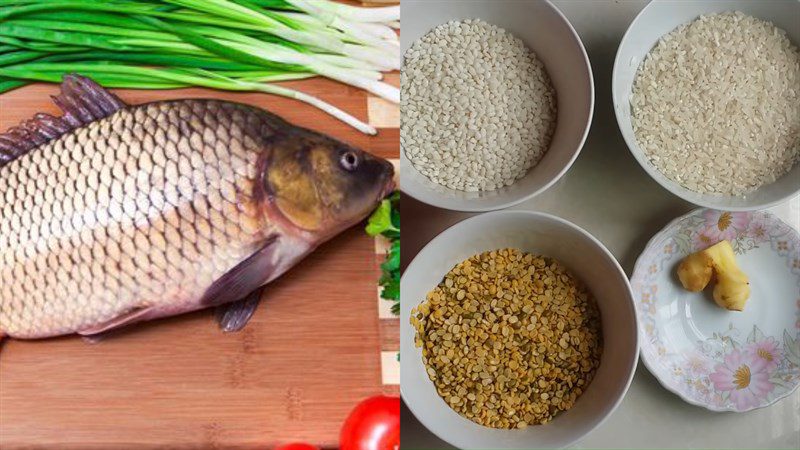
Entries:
{"x":113,"y":214}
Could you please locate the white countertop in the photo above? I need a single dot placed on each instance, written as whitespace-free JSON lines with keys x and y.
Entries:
{"x":607,"y":193}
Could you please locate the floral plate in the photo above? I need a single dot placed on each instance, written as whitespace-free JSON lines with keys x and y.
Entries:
{"x":722,"y":360}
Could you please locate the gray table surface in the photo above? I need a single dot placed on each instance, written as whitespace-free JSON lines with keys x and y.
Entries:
{"x":607,"y":193}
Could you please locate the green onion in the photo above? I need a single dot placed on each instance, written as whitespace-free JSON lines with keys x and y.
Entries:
{"x":18,"y":57}
{"x":37,"y":46}
{"x":156,"y":59}
{"x":8,"y":84}
{"x":238,"y":45}
{"x":173,"y":78}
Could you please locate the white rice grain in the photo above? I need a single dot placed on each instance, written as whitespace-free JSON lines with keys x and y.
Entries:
{"x":716,"y":104}
{"x":478,"y":109}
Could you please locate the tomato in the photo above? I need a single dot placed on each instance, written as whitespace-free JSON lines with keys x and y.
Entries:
{"x":374,"y":424}
{"x":296,"y":446}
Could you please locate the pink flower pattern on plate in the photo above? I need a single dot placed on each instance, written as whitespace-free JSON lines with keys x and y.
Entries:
{"x":758,"y":229}
{"x":767,"y":350}
{"x":704,"y":239}
{"x":697,"y":364}
{"x":724,"y":225}
{"x":745,"y":378}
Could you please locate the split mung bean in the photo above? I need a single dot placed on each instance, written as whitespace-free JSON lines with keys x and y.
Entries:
{"x":509,"y":338}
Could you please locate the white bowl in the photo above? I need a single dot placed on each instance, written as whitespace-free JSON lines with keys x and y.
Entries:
{"x":548,"y":33}
{"x":659,"y":18}
{"x":580,"y":252}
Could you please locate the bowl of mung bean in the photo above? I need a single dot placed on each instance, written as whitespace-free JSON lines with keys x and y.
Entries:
{"x":518,"y":330}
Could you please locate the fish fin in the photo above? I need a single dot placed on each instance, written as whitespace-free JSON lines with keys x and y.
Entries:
{"x":246,"y":277}
{"x":134,"y":315}
{"x":94,"y":338}
{"x":234,"y":316}
{"x":82,"y":101}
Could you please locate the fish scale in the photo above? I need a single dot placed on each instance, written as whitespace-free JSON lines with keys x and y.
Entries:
{"x":144,"y":208}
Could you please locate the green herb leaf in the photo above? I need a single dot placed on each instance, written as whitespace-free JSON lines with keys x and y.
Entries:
{"x":392,"y":262}
{"x":385,"y":221}
{"x":380,"y":222}
{"x":391,"y":290}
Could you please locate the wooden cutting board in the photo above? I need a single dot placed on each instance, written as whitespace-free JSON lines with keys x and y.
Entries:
{"x":310,"y":353}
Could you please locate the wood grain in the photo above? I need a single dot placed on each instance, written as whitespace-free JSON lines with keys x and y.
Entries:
{"x":310,"y":353}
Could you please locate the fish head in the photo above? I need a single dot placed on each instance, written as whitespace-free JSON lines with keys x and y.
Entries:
{"x":322,"y":186}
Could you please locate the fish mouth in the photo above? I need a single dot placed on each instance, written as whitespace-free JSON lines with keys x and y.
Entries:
{"x":389,"y":185}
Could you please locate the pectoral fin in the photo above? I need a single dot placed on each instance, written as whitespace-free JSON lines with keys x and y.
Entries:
{"x":234,"y":316}
{"x":245,"y":278}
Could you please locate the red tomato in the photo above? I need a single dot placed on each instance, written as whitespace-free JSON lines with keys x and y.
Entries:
{"x":374,"y":424}
{"x":296,"y":446}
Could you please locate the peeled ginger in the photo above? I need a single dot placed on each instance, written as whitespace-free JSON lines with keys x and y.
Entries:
{"x":732,"y":288}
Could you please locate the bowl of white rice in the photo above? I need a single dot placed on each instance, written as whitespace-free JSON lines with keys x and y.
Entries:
{"x":496,"y":100}
{"x":707,"y":97}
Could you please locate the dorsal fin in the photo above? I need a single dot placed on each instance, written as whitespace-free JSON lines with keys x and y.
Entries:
{"x":82,"y":100}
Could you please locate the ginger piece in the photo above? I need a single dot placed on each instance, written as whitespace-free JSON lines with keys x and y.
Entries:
{"x":732,"y":287}
{"x":695,"y":271}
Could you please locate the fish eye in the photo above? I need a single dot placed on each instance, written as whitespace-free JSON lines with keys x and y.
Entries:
{"x":349,"y":161}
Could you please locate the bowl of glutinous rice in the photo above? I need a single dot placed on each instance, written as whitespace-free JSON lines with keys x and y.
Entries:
{"x":496,"y":99}
{"x":707,"y":96}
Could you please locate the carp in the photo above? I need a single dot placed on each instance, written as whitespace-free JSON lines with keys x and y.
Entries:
{"x":113,"y":214}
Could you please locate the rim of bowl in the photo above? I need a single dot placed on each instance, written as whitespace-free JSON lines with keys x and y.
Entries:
{"x":651,"y":364}
{"x":439,"y":202}
{"x":634,"y":360}
{"x":653,"y":172}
